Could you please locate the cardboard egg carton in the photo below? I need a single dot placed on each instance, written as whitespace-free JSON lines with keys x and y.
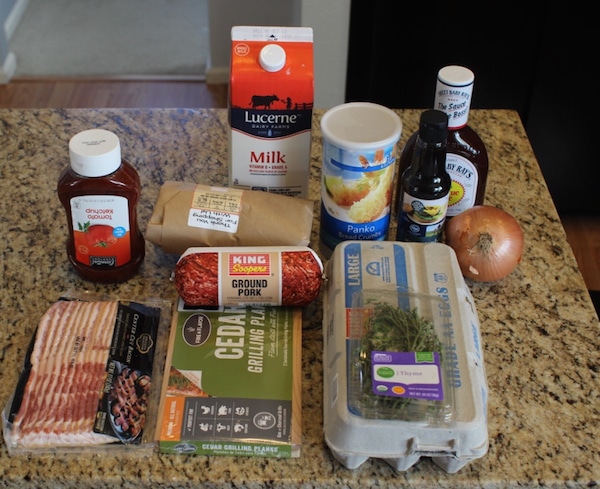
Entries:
{"x":410,"y":272}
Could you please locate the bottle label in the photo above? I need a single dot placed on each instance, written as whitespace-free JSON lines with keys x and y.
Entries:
{"x":422,"y":220}
{"x":465,"y":177}
{"x":455,"y":101}
{"x":101,"y":231}
{"x":356,"y":189}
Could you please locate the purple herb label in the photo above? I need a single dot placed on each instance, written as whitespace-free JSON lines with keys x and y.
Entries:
{"x":415,"y":375}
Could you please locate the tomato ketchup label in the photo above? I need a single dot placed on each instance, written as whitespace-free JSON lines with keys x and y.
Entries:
{"x":101,"y":230}
{"x":271,"y":102}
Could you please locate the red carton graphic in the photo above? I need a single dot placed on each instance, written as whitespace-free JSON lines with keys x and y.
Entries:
{"x":270,"y":102}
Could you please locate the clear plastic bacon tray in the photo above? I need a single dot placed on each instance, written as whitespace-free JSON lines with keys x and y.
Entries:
{"x":90,"y":380}
{"x":404,"y":376}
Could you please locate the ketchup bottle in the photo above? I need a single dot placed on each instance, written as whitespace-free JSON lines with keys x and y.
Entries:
{"x":100,"y":191}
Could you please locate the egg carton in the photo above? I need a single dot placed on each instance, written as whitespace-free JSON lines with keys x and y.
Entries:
{"x":451,"y":428}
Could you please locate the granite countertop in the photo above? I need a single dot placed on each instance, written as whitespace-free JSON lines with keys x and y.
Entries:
{"x":540,"y":331}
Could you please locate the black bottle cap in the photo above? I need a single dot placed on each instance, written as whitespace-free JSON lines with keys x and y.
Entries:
{"x":433,"y":126}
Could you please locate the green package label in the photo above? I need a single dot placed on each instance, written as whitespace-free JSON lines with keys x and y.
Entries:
{"x":230,"y":381}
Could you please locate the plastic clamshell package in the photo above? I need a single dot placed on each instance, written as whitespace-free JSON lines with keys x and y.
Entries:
{"x":397,"y":376}
{"x":411,"y":275}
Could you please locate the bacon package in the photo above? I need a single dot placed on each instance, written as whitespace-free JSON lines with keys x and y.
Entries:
{"x":87,"y":378}
{"x":246,"y":276}
{"x":188,"y":214}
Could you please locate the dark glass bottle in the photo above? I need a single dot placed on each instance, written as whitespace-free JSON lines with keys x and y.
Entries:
{"x":466,"y":154}
{"x":100,"y":191}
{"x":424,"y":187}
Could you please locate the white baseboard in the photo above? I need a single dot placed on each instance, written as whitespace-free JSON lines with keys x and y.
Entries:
{"x":217,"y":75}
{"x":14,"y":18}
{"x":8,"y":69}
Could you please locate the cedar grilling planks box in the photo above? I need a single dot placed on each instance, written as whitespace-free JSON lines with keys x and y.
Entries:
{"x":232,"y":382}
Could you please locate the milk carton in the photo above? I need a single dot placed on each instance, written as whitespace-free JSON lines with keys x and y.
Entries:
{"x":270,"y":109}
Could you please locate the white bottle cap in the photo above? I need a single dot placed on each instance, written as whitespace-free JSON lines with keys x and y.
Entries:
{"x":272,"y":57}
{"x":456,"y":76}
{"x":95,"y":153}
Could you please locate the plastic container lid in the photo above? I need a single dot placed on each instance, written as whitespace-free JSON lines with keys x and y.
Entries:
{"x":95,"y":153}
{"x":359,"y":126}
{"x":272,"y":57}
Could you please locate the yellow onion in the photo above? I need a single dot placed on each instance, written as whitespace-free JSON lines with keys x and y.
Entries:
{"x":488,"y":242}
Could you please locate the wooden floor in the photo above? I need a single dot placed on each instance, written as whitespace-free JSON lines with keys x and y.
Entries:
{"x":113,"y":93}
{"x":583,"y":232}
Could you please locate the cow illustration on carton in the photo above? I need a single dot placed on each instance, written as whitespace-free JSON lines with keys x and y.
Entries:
{"x":263,"y":101}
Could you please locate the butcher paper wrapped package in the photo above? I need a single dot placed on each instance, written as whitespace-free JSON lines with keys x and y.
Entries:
{"x":189,"y":214}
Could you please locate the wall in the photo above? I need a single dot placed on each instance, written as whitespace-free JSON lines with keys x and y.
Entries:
{"x":11,"y":12}
{"x":522,"y":59}
{"x":330,"y":22}
{"x":561,"y":119}
{"x":223,"y":14}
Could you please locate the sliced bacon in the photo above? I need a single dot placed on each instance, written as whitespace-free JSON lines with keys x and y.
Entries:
{"x":67,"y":375}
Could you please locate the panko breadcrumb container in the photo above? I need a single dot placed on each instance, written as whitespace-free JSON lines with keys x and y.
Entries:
{"x":403,"y":368}
{"x":359,"y":155}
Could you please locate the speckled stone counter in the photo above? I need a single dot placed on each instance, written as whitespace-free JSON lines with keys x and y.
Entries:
{"x":540,"y":331}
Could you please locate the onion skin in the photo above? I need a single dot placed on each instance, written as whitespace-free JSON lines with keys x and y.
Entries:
{"x":488,"y":242}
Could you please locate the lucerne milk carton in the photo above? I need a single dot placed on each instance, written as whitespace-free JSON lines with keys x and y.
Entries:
{"x":270,"y":109}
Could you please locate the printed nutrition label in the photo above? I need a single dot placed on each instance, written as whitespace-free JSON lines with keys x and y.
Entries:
{"x":217,"y":209}
{"x":226,"y":200}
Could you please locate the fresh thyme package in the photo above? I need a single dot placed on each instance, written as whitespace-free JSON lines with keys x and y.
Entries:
{"x":403,"y":366}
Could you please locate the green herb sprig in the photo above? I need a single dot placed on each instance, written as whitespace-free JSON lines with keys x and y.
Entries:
{"x":390,"y":328}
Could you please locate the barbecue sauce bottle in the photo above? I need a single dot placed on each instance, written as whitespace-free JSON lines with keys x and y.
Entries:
{"x":424,"y":187}
{"x":100,"y":191}
{"x":466,"y":154}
